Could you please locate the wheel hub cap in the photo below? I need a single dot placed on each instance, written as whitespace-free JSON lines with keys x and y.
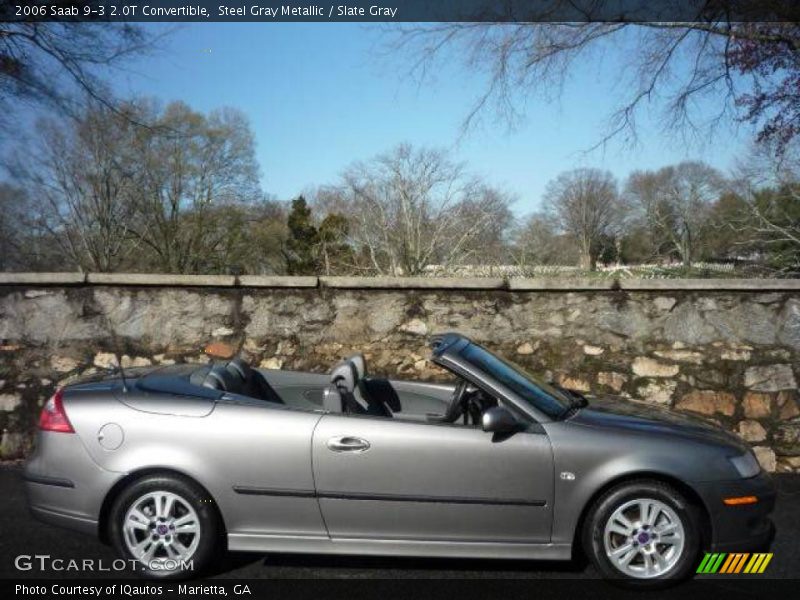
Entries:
{"x":644,"y":538}
{"x":161,"y":527}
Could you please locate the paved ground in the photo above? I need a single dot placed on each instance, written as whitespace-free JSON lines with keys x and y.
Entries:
{"x":20,"y":534}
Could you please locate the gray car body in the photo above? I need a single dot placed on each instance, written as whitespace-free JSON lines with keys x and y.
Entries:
{"x":421,"y":488}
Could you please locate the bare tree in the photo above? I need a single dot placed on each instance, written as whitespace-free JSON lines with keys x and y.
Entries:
{"x":489,"y":244}
{"x":415,"y":207}
{"x":249,"y":238}
{"x":338,"y":253}
{"x":676,"y":204}
{"x":13,"y":206}
{"x":188,"y":164}
{"x":768,"y":217}
{"x":172,"y":196}
{"x":264,"y":238}
{"x":750,"y":69}
{"x":58,"y":64}
{"x":82,"y":183}
{"x":538,"y":241}
{"x":334,"y":253}
{"x":584,"y":203}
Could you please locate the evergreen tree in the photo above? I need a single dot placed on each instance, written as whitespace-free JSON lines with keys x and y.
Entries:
{"x":300,"y":250}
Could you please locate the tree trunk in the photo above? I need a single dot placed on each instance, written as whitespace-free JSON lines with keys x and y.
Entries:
{"x":686,"y":255}
{"x":686,"y":248}
{"x":588,"y":261}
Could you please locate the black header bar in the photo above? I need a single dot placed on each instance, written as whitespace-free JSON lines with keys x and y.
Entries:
{"x":508,"y":11}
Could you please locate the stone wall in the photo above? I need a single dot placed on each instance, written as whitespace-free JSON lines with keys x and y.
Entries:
{"x":726,"y":349}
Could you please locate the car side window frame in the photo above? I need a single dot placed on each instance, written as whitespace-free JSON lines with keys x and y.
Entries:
{"x":529,"y":424}
{"x":521,"y":409}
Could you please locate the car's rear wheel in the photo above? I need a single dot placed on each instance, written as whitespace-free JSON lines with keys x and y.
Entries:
{"x":643,"y":534}
{"x":167,"y":525}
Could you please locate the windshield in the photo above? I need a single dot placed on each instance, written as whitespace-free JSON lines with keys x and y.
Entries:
{"x":542,"y":396}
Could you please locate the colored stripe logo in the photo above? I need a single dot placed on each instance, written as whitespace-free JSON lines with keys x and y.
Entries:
{"x":734,"y":562}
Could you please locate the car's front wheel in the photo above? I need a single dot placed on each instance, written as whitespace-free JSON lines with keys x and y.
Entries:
{"x":643,"y":534}
{"x":166,"y":525}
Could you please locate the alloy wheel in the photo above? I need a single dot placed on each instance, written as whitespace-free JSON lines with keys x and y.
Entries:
{"x":161,"y":528}
{"x":644,"y":538}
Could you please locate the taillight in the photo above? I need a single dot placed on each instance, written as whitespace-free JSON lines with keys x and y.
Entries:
{"x":54,"y":417}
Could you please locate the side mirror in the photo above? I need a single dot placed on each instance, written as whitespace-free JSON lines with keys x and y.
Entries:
{"x":499,"y":420}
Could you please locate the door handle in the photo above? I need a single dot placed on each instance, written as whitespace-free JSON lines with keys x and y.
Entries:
{"x":346,"y":443}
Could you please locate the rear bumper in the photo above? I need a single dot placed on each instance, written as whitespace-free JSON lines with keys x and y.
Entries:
{"x":67,"y":521}
{"x":64,"y":486}
{"x":740,"y":528}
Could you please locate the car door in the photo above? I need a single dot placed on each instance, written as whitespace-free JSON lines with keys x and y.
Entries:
{"x":385,"y":478}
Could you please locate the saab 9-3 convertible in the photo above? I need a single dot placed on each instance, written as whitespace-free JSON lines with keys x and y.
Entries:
{"x":173,"y":464}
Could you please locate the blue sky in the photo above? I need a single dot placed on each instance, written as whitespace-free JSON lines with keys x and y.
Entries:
{"x":320,"y":96}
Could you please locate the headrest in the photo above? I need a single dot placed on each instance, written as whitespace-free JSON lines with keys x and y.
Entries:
{"x":199,"y":376}
{"x":219,"y":378}
{"x":360,"y":363}
{"x":344,"y":375}
{"x":383,"y":390}
{"x":239,"y":368}
{"x":332,"y":400}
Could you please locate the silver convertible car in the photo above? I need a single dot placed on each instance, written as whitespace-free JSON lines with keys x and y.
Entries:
{"x":174,"y":464}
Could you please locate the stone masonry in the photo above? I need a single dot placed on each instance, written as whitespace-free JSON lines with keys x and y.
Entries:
{"x":726,"y":350}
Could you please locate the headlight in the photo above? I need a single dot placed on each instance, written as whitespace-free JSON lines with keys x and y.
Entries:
{"x":746,"y":464}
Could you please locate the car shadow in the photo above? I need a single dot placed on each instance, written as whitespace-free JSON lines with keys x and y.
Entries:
{"x":232,"y":561}
{"x":317,"y":562}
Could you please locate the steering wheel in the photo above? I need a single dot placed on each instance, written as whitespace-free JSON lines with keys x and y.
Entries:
{"x":455,"y":409}
{"x":473,"y":407}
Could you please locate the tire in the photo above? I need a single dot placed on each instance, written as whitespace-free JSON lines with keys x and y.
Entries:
{"x":655,"y":552}
{"x":179,"y":520}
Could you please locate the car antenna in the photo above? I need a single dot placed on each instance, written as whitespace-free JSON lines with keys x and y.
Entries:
{"x":115,"y":348}
{"x":121,"y":372}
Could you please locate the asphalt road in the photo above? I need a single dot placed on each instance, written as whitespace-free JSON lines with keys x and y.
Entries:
{"x":21,"y":534}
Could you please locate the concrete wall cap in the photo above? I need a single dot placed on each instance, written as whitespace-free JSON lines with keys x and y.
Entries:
{"x":517,"y":284}
{"x":161,"y":279}
{"x":42,"y":278}
{"x":722,"y":285}
{"x":411,"y":283}
{"x":532,"y":284}
{"x":277,"y":281}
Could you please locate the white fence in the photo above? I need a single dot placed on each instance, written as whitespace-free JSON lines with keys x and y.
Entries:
{"x":640,"y":271}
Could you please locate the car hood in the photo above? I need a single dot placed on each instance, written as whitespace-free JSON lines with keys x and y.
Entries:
{"x":613,"y":413}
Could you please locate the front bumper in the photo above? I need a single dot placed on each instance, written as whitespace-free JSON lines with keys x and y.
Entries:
{"x":740,"y":528}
